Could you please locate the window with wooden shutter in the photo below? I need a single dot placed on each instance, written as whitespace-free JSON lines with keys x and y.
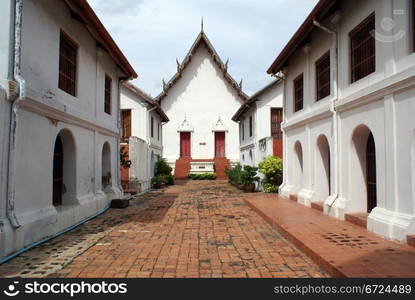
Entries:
{"x":108,"y":90}
{"x":276,"y":120}
{"x":68,"y":50}
{"x":323,"y":76}
{"x":125,"y":124}
{"x":362,"y":49}
{"x":298,"y":93}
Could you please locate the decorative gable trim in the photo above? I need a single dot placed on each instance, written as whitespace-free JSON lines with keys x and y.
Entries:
{"x":202,"y":38}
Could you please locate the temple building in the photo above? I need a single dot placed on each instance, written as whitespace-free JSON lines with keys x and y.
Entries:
{"x":200,"y":100}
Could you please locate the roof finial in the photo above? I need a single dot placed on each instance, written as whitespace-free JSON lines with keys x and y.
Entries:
{"x":178,"y":65}
{"x":240,"y":84}
{"x":201,"y":25}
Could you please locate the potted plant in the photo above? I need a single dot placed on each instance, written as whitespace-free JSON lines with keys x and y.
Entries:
{"x":248,"y":178}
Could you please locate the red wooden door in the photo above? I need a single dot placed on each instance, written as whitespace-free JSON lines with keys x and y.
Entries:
{"x":185,"y":144}
{"x":219,"y":144}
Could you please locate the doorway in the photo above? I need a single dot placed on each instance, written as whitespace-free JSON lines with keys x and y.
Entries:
{"x":220,"y":144}
{"x":185,"y":144}
{"x":371,"y":173}
{"x":58,"y":172}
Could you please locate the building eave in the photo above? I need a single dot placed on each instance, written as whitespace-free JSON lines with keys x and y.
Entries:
{"x":319,"y":11}
{"x":148,"y":99}
{"x":86,"y":15}
{"x":244,"y":107}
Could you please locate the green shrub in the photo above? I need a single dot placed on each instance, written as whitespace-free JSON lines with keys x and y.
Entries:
{"x":158,"y":180}
{"x":271,"y":167}
{"x":242,"y":175}
{"x":270,"y":187}
{"x":202,"y":176}
{"x":162,"y":167}
{"x":169,"y":179}
{"x":248,"y":175}
{"x":234,"y":174}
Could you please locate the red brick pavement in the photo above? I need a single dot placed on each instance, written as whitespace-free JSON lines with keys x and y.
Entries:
{"x":193,"y":229}
{"x":341,"y":248}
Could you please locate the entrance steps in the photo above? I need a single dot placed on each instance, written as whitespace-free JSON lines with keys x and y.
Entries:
{"x":182,"y":168}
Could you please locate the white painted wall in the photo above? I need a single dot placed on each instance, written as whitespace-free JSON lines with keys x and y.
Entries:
{"x":202,"y":95}
{"x":382,"y":102}
{"x":144,"y":149}
{"x":48,"y":111}
{"x":250,"y":151}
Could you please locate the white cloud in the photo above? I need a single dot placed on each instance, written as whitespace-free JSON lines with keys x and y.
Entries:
{"x":152,"y":33}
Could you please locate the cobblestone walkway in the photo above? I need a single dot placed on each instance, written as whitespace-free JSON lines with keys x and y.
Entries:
{"x":192,"y":229}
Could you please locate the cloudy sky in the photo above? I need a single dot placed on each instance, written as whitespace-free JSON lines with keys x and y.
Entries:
{"x":153,"y":33}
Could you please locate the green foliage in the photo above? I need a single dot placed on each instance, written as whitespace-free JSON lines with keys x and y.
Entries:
{"x":270,"y":187}
{"x":169,"y":179}
{"x":202,"y":176}
{"x":248,"y":175}
{"x":158,"y":180}
{"x":162,"y":173}
{"x":162,"y":167}
{"x":234,"y":174}
{"x":242,"y":175}
{"x":271,"y":167}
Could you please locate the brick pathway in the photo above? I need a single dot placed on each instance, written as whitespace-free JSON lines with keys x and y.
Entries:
{"x":341,"y":248}
{"x":192,"y":229}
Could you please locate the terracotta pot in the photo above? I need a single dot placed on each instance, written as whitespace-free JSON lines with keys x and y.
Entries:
{"x":249,"y":188}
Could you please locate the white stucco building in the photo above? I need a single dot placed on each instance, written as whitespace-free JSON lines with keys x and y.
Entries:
{"x":259,"y":121}
{"x":59,"y":157}
{"x":142,"y":121}
{"x":200,"y":101}
{"x":349,"y":134}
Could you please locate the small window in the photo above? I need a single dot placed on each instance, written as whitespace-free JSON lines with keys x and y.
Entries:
{"x":362,"y":49}
{"x":152,"y":127}
{"x":158,"y":131}
{"x":298,"y":93}
{"x":125,"y":124}
{"x":68,"y":51}
{"x":276,"y":120}
{"x":108,"y":89}
{"x":323,"y":76}
{"x":250,"y":125}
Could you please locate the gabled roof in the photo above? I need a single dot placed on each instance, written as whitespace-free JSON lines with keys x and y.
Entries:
{"x":321,"y":10}
{"x":83,"y":12}
{"x":254,"y":98}
{"x":202,"y":38}
{"x":147,"y":98}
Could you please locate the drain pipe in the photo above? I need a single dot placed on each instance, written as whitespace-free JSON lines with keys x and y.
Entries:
{"x":14,"y":113}
{"x":332,"y":198}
